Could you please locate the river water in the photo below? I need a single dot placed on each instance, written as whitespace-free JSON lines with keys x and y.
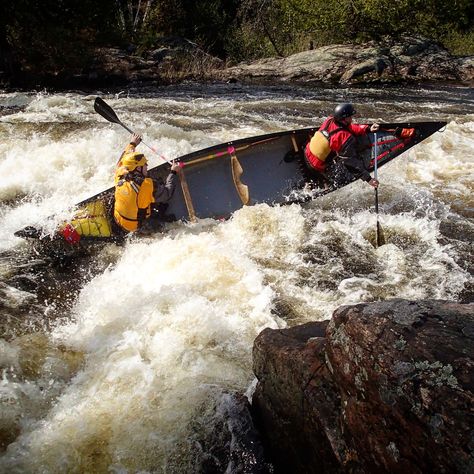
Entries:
{"x":116,"y":361}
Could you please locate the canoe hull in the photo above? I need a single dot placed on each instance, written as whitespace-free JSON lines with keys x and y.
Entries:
{"x":219,"y":180}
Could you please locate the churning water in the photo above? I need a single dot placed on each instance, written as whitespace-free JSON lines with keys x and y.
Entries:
{"x":119,"y":361}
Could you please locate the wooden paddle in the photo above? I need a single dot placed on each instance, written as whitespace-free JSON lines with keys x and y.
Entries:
{"x":104,"y":109}
{"x":379,"y":236}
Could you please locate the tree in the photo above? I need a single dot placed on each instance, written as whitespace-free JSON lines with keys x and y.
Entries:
{"x":133,"y":15}
{"x":55,"y":35}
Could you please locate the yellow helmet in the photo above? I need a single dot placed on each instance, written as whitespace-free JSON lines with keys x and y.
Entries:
{"x":131,"y":161}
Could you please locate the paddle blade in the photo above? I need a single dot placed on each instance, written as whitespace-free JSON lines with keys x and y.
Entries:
{"x":380,"y":237}
{"x":102,"y":108}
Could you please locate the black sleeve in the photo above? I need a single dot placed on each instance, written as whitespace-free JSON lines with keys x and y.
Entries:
{"x":164,"y":192}
{"x":351,"y":160}
{"x":141,"y":216}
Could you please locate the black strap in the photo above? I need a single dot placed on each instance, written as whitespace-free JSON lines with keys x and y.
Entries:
{"x":141,"y":216}
{"x":327,"y":134}
{"x":127,"y":218}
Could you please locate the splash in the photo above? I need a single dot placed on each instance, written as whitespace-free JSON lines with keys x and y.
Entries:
{"x":128,"y":379}
{"x":173,"y":318}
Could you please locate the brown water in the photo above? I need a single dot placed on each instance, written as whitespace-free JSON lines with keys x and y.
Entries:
{"x":113,"y":362}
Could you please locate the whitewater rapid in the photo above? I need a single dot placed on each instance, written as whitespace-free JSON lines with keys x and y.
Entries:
{"x":116,"y":364}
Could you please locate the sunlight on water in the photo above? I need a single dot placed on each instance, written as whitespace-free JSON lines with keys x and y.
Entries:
{"x":447,"y":166}
{"x":127,"y":379}
{"x":173,"y":317}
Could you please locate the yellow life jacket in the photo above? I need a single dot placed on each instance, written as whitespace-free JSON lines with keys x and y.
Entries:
{"x":319,"y":145}
{"x":130,"y":199}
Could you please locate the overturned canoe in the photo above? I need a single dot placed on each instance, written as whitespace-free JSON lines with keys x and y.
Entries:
{"x":218,"y":180}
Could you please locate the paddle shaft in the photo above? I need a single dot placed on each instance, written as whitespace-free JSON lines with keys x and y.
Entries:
{"x":104,"y":109}
{"x":376,"y":153}
{"x":377,"y":233}
{"x":148,"y":146}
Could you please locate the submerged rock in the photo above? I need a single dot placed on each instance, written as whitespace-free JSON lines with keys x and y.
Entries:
{"x":385,"y":387}
{"x":226,"y":439}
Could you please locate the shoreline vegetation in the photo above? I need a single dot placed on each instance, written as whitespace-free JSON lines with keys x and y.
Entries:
{"x":91,"y":44}
{"x":410,"y":60}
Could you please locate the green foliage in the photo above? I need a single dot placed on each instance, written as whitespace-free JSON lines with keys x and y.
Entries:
{"x":61,"y":35}
{"x":290,"y":25}
{"x":460,"y":43}
{"x":53,"y":35}
{"x":205,"y":22}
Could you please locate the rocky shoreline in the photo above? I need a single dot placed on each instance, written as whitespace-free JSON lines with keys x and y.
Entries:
{"x":409,"y":60}
{"x":384,"y":387}
{"x":414,"y":60}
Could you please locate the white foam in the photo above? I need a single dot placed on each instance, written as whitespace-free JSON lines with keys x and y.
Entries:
{"x":178,"y":313}
{"x":173,"y":316}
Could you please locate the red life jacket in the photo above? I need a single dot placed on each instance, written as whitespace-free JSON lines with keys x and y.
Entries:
{"x":330,"y":138}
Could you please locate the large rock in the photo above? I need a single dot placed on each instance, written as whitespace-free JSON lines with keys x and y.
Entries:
{"x":410,"y":59}
{"x":173,"y":60}
{"x":388,"y":387}
{"x":225,"y":438}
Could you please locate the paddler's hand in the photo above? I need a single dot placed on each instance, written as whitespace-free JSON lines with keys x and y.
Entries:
{"x":136,"y":139}
{"x":374,"y":183}
{"x":374,"y":127}
{"x":176,"y":167}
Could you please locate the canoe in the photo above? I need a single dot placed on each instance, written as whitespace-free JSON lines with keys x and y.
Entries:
{"x":217,"y":181}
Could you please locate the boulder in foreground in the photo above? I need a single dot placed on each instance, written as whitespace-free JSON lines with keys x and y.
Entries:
{"x":382,"y":387}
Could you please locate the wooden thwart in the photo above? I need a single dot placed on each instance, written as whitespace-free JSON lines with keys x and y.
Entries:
{"x":295,"y":145}
{"x":187,"y":197}
{"x":242,"y":189}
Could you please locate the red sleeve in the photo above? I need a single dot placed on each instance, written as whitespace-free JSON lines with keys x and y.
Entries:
{"x":358,"y":129}
{"x":324,"y":123}
{"x":337,"y":141}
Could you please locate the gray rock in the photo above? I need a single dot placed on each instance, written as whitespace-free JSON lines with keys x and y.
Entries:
{"x":410,"y":59}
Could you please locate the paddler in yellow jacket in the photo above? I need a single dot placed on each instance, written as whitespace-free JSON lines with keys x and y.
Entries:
{"x":135,"y":193}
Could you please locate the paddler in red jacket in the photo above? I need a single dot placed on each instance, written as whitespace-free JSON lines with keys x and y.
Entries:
{"x":332,"y":151}
{"x":136,"y":195}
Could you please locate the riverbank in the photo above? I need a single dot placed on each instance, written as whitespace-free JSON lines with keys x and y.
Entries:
{"x":412,"y":60}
